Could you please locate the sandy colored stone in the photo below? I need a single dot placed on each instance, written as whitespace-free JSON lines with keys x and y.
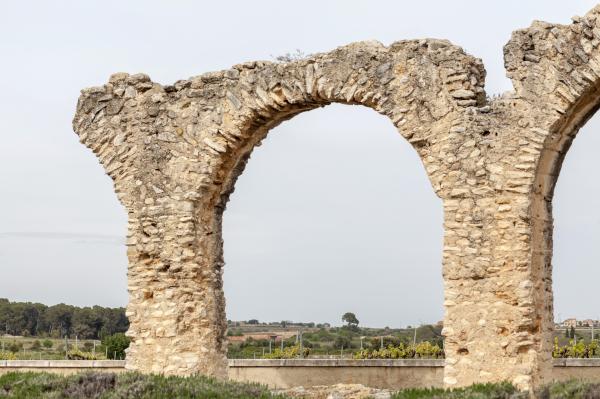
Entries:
{"x":338,"y":391}
{"x":174,"y":153}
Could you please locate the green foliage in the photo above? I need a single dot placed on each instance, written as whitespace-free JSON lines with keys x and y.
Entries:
{"x":342,"y":342}
{"x":126,"y":385}
{"x":15,"y":346}
{"x":88,"y":346}
{"x":47,"y":343}
{"x":350,"y":319}
{"x":375,"y":343}
{"x":569,"y":390}
{"x":115,"y":345}
{"x":36,"y":345}
{"x":76,"y":354}
{"x":290,"y":352}
{"x":423,"y":350}
{"x":36,"y":319}
{"x":576,"y":350}
{"x":7,"y":356}
{"x":477,"y":391}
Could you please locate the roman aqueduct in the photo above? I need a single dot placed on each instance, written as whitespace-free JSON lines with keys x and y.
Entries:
{"x":175,"y":152}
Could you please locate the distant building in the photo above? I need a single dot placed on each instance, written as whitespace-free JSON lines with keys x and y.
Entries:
{"x":588,"y":323}
{"x":570,"y":323}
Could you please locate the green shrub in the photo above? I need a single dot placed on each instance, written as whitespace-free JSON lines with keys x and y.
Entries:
{"x":290,"y":352}
{"x":115,"y":345}
{"x":7,"y":356}
{"x":47,"y":343}
{"x":76,"y":354}
{"x":477,"y":391}
{"x":576,"y":350}
{"x":423,"y":350}
{"x":342,"y":342}
{"x":88,"y":346}
{"x":126,"y":385}
{"x":569,"y":389}
{"x":15,"y":347}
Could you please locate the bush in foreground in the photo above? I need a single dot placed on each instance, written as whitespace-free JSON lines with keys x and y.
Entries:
{"x":477,"y":391}
{"x":560,"y":390}
{"x":123,"y":386}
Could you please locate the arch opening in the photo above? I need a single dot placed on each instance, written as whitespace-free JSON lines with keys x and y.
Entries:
{"x":576,"y":232}
{"x":556,"y":147}
{"x":287,"y":254}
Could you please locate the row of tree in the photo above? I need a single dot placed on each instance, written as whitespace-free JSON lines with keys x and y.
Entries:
{"x":36,"y":319}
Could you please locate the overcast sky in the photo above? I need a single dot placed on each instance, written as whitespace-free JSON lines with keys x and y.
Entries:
{"x":334,"y":212}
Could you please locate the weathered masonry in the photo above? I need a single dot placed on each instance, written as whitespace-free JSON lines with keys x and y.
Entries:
{"x":174,"y":153}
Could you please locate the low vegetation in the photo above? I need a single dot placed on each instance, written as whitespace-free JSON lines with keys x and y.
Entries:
{"x":562,"y":390}
{"x":124,"y":386}
{"x":22,"y":348}
{"x":325,"y":341}
{"x":579,"y":349}
{"x":422,"y":350}
{"x":4,"y":355}
{"x":138,"y":386}
{"x":36,"y":331}
{"x":290,"y":352}
{"x":477,"y":391}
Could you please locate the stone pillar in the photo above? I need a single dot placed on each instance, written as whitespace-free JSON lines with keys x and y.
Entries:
{"x":176,"y":306}
{"x":493,"y":328}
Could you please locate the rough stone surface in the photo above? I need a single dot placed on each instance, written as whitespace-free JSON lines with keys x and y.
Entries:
{"x":174,"y":153}
{"x":338,"y":391}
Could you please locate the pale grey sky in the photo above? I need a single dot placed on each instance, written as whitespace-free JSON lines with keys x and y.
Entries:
{"x":334,"y":212}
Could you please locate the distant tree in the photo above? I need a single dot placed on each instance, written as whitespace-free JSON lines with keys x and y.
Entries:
{"x":350,"y":319}
{"x":36,"y":345}
{"x":572,"y":332}
{"x":47,"y":343}
{"x":283,"y":323}
{"x":252,"y":321}
{"x":36,"y":319}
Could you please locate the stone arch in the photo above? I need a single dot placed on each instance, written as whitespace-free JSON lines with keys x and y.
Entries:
{"x":419,"y":85}
{"x":175,"y":151}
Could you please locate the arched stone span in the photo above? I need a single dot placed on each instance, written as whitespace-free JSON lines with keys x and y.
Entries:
{"x":175,"y":151}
